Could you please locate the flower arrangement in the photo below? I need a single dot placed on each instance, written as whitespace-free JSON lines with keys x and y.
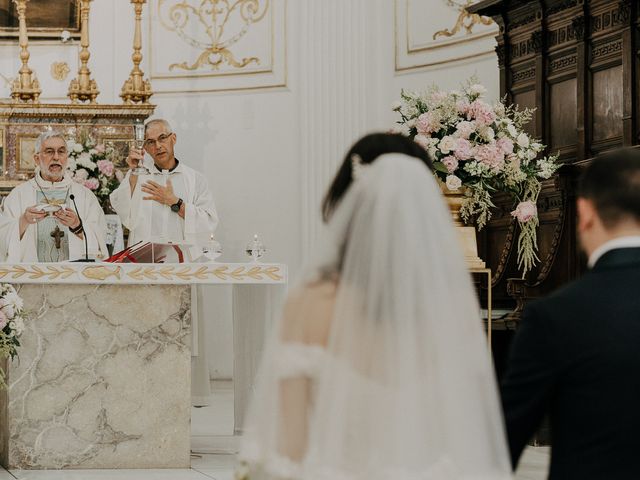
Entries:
{"x":483,"y":149}
{"x":91,"y":166}
{"x":12,"y":319}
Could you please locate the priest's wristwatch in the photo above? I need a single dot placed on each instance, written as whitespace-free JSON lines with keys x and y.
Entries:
{"x":176,"y":206}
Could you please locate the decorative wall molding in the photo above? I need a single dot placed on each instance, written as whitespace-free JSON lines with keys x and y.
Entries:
{"x":196,"y":46}
{"x":438,"y":32}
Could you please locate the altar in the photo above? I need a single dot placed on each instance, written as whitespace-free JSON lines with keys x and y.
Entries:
{"x":103,"y":377}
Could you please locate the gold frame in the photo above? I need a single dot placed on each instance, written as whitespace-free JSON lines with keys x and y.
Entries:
{"x":42,"y":33}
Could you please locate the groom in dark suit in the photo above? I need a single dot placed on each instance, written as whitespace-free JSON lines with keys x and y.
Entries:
{"x":576,"y":355}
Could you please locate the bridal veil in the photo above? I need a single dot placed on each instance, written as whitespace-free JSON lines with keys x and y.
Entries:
{"x":403,"y":388}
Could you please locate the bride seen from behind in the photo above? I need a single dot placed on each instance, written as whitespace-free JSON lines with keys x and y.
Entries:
{"x":379,"y":368}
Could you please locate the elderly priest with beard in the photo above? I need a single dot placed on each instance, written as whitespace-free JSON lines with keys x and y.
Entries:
{"x":45,"y":226}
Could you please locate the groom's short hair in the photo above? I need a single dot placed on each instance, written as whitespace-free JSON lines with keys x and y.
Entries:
{"x":612,"y":182}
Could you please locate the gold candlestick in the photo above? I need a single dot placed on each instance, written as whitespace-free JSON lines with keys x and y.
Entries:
{"x":136,"y":89}
{"x":83,"y":88}
{"x":25,"y":87}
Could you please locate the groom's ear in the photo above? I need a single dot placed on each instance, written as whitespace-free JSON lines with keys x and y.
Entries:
{"x":587,"y":214}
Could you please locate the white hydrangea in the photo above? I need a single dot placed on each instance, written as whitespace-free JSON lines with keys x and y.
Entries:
{"x":12,"y":298}
{"x":546,"y":168}
{"x":78,"y":148}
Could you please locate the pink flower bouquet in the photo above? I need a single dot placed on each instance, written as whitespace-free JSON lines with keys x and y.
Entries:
{"x":483,"y":148}
{"x":91,"y":166}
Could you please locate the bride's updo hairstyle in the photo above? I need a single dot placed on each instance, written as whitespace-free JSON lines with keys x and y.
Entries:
{"x":365,"y":151}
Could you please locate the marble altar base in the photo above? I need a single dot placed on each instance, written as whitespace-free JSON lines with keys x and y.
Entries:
{"x":103,"y":379}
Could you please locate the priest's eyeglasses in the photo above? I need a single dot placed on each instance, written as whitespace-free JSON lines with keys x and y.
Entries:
{"x":50,"y":152}
{"x":151,"y":143}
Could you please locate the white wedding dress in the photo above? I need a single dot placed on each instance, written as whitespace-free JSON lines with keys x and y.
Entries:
{"x":379,"y":368}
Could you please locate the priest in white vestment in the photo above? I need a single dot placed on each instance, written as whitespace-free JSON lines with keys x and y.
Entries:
{"x":45,"y":225}
{"x":172,"y":203}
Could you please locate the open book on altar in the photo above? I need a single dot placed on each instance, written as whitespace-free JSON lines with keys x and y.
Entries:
{"x":152,"y":252}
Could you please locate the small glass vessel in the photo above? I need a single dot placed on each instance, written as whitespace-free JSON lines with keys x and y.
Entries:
{"x":255,"y":248}
{"x":212,"y":249}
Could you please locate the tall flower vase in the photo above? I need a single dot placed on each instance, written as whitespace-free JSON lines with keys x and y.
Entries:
{"x":466,"y":234}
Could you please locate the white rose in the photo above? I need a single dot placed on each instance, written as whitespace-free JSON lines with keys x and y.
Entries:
{"x":78,"y":148}
{"x":432,"y":153}
{"x":477,"y":89}
{"x":453,"y":183}
{"x":411,"y":123}
{"x":447,"y":144}
{"x":513,"y":131}
{"x":523,"y":140}
{"x":531,"y":154}
{"x":488,"y":134}
{"x":14,"y":299}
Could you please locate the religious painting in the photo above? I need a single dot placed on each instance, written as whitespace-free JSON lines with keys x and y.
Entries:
{"x":46,"y":19}
{"x":25,"y":162}
{"x":120,"y":147}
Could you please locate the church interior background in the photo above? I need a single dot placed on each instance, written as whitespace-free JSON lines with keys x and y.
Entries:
{"x":265,"y":104}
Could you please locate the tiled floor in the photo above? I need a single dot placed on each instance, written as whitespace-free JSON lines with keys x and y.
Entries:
{"x":212,"y":429}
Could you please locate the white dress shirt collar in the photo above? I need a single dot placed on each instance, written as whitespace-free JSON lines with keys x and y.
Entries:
{"x":629,"y":241}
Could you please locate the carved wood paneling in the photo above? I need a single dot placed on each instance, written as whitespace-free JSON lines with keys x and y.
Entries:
{"x":578,"y":63}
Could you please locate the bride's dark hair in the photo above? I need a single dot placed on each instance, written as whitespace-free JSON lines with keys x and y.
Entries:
{"x":368,"y":148}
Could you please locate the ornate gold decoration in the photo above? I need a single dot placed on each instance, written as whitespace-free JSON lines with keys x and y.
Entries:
{"x":59,"y":70}
{"x":132,"y":273}
{"x":465,"y":20}
{"x":26,"y":87}
{"x":466,"y":234}
{"x":214,"y":15}
{"x":204,"y":272}
{"x":136,"y":89}
{"x":51,"y":272}
{"x":83,"y":87}
{"x":101,"y":272}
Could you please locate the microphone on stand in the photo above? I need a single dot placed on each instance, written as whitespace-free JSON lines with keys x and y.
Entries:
{"x":84,"y":234}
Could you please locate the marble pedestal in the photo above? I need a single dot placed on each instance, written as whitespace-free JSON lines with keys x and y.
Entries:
{"x":103,"y":379}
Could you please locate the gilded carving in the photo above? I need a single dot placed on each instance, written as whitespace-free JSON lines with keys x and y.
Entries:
{"x":215,"y":20}
{"x":59,"y":70}
{"x":465,"y":20}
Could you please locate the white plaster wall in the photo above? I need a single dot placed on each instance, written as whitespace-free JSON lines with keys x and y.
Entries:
{"x":269,"y":154}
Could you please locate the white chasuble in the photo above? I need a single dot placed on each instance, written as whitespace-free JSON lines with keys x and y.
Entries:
{"x":41,"y":240}
{"x":148,"y":220}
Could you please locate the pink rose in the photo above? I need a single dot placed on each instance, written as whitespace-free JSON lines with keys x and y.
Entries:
{"x":450,"y":162}
{"x":428,"y":123}
{"x":119,"y":175}
{"x":505,"y":145}
{"x":490,"y":155}
{"x":3,"y":320}
{"x":481,"y":112}
{"x":525,"y":211}
{"x":81,"y":175}
{"x":100,"y":148}
{"x":105,"y":167}
{"x":463,"y":149}
{"x":92,"y":183}
{"x":462,"y":106}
